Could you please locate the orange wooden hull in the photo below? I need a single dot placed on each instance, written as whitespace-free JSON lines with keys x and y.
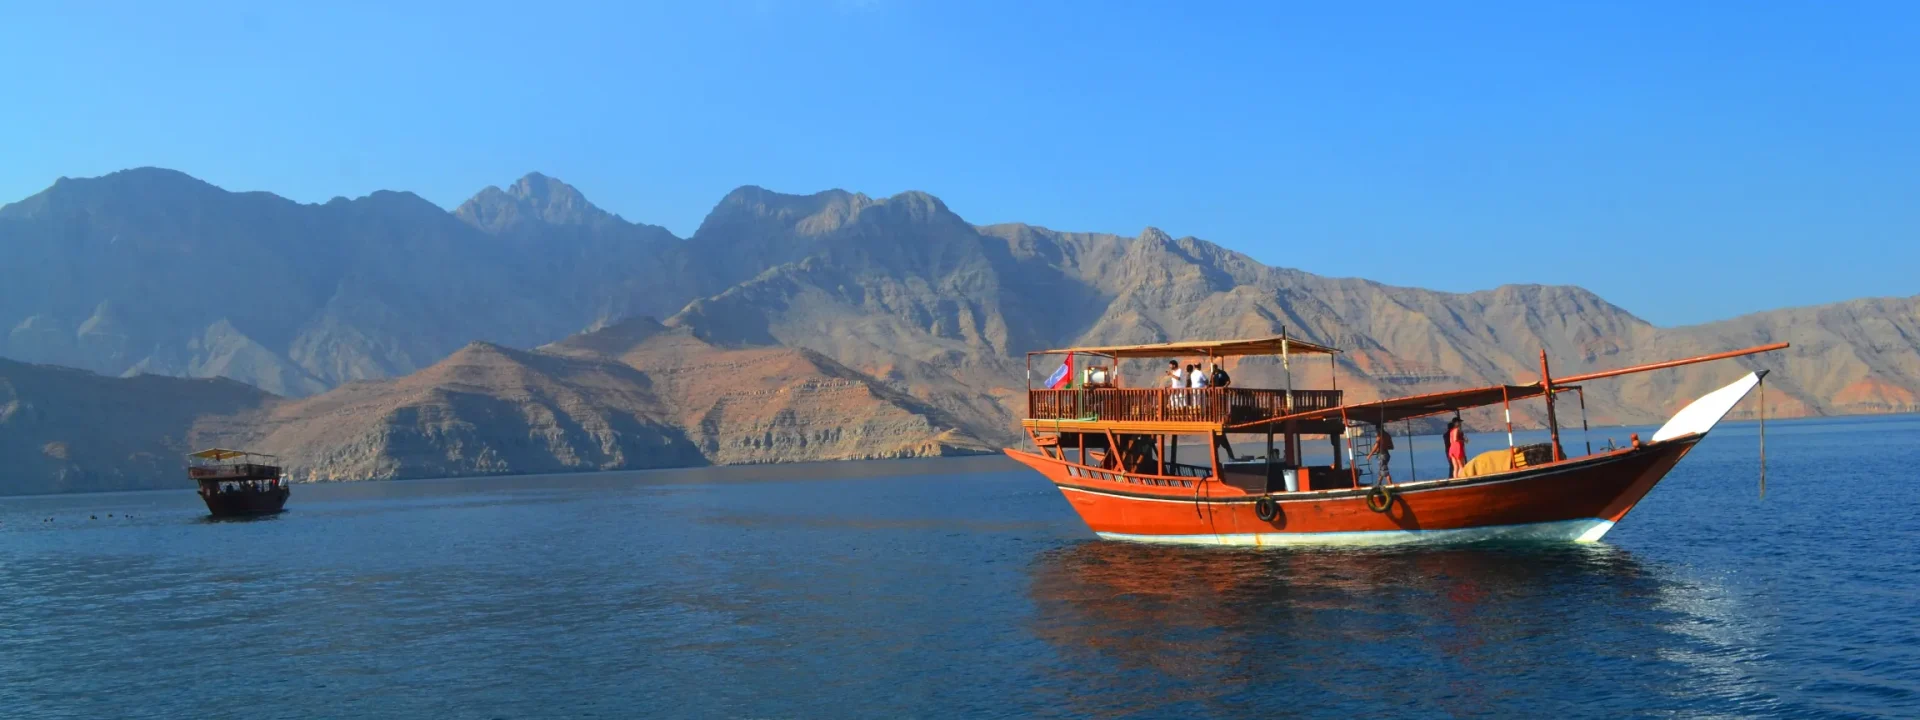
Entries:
{"x":1572,"y":500}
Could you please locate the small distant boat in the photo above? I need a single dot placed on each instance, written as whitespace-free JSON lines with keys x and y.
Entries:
{"x":1114,"y":453}
{"x":237,"y":483}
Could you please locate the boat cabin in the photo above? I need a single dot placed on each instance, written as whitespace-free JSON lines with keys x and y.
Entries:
{"x":220,"y":464}
{"x":238,"y":483}
{"x":1090,"y":417}
{"x":1110,"y":408}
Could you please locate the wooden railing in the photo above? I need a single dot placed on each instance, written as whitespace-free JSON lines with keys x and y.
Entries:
{"x":232,"y":471}
{"x":1173,"y":404}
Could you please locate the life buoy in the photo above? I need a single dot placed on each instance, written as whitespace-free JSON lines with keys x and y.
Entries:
{"x":1379,"y":499}
{"x":1266,"y":509}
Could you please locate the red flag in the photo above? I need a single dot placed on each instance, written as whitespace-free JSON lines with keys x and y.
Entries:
{"x":1062,"y":377}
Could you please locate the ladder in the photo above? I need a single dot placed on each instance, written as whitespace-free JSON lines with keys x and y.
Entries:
{"x":1360,"y":438}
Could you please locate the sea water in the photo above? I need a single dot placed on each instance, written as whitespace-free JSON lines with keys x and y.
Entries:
{"x":960,"y":588}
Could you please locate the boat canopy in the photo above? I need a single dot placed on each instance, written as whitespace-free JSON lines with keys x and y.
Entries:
{"x":1418,"y":406}
{"x":225,"y":454}
{"x":1213,"y":348}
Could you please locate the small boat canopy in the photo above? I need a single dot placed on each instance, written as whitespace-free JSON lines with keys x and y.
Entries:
{"x":1213,"y":348}
{"x":225,"y":454}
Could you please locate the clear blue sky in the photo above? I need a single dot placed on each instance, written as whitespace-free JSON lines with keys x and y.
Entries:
{"x":1688,"y":161}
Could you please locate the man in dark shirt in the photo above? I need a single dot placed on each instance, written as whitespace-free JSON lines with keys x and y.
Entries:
{"x":1383,"y":449}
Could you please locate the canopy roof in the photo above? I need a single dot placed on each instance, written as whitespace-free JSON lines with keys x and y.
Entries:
{"x":225,"y":454}
{"x":1214,"y":348}
{"x":1416,"y":406}
{"x":1419,"y":406}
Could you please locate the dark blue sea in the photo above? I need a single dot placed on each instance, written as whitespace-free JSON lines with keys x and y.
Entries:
{"x":960,"y":589}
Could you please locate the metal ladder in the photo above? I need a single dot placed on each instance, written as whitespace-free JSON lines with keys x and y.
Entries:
{"x":1360,"y":439}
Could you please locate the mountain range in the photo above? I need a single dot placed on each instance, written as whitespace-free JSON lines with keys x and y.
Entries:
{"x":388,"y":337}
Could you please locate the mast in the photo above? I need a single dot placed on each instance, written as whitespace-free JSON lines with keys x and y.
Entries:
{"x":1286,"y":365}
{"x":1673,"y":363}
{"x":1553,"y":422}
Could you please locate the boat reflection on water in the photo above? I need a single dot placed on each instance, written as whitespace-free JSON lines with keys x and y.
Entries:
{"x":222,"y":519}
{"x":1466,"y":630}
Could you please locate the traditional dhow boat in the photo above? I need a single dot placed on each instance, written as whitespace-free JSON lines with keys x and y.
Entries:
{"x":236,"y":482}
{"x":1115,"y":454}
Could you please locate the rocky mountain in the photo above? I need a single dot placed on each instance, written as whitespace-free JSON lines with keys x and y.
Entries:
{"x":906,"y":290}
{"x":771,"y":404}
{"x":632,"y":395}
{"x":896,"y":300}
{"x":153,"y":271}
{"x":64,"y":429}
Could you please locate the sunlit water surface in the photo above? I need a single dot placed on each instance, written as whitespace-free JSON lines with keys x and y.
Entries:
{"x":958,"y":588}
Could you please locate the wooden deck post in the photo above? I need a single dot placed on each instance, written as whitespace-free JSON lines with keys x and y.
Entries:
{"x":1213,"y":451}
{"x":1507,"y":405}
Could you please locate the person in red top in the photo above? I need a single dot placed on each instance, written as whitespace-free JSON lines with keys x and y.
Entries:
{"x":1456,"y":447}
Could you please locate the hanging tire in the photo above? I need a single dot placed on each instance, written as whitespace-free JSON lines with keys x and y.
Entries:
{"x":1379,"y":499}
{"x":1266,"y":509}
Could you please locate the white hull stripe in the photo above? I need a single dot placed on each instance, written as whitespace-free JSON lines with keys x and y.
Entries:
{"x":1584,"y":530}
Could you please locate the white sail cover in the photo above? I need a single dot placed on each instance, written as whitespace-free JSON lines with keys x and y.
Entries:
{"x":1701,"y":415}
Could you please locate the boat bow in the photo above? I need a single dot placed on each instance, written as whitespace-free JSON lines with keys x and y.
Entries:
{"x":1701,"y":415}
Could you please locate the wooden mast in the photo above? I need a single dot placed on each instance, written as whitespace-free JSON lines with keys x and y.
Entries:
{"x":1553,"y":422}
{"x":1673,"y":363}
{"x":1286,"y":366}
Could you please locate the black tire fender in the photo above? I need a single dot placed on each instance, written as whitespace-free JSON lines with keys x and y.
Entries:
{"x":1380,"y":498}
{"x":1266,"y":509}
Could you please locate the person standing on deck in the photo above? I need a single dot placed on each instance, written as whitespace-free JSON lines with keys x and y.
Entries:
{"x":1456,"y":447}
{"x":1383,"y":449}
{"x":1175,"y":381}
{"x":1196,"y":380}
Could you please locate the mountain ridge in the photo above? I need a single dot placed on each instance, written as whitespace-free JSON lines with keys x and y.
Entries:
{"x":112,"y":274}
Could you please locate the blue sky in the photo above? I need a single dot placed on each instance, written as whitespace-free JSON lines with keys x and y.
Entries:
{"x":1688,"y":161}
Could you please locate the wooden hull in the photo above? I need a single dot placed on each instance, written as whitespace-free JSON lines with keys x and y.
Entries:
{"x":1573,"y":500}
{"x":235,"y":503}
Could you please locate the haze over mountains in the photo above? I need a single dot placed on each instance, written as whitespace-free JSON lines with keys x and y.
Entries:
{"x":917,"y":318}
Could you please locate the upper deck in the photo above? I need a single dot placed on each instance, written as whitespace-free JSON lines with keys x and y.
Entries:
{"x":223,"y":464}
{"x":1210,"y":406}
{"x":234,"y":471}
{"x":1150,"y":409}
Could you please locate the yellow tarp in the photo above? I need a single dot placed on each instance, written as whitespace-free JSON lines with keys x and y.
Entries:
{"x":1488,"y":463}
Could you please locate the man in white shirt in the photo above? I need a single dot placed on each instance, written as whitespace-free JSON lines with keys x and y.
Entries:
{"x":1196,"y":378}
